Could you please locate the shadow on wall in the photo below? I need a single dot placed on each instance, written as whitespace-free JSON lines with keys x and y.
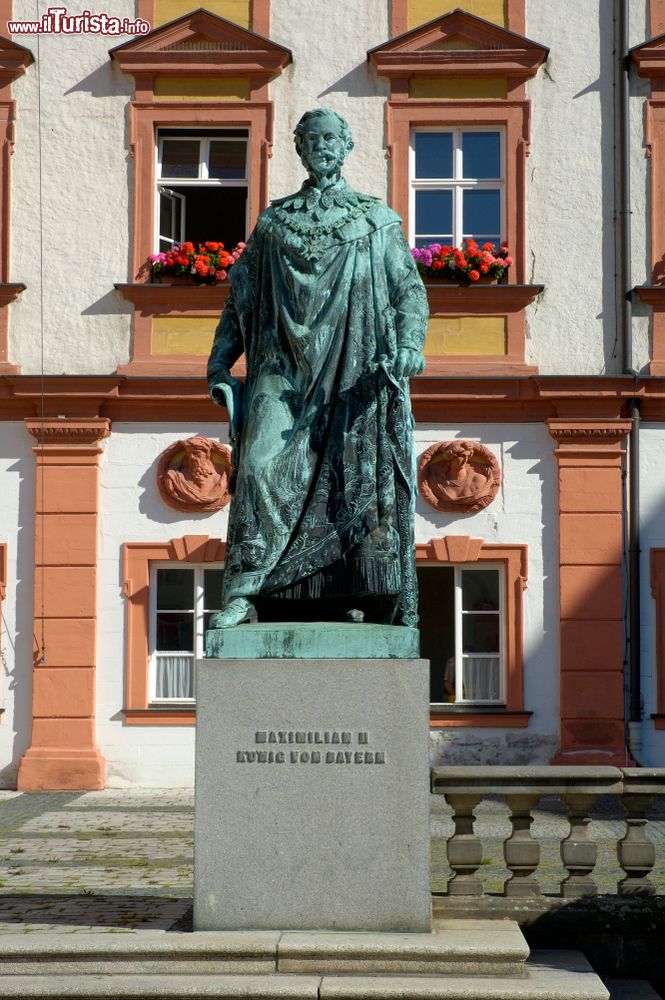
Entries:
{"x":19,"y":649}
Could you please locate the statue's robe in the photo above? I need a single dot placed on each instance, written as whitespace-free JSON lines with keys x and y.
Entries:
{"x":321,"y":299}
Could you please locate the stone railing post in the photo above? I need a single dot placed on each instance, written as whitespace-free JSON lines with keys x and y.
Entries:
{"x":521,"y":851}
{"x":465,"y":851}
{"x":578,"y":853}
{"x":635,"y":852}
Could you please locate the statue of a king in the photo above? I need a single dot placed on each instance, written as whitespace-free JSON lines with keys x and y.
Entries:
{"x":329,"y":310}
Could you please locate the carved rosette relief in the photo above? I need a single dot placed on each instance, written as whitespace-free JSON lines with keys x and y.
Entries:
{"x":193,"y":475}
{"x":458,"y":477}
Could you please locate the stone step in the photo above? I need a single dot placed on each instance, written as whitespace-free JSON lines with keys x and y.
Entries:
{"x":551,"y":976}
{"x":455,"y":947}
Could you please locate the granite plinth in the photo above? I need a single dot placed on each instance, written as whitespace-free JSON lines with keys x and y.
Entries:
{"x":312,"y":800}
{"x":313,"y":641}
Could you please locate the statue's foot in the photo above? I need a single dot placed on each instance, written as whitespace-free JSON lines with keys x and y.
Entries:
{"x":237,"y":612}
{"x":355,"y":615}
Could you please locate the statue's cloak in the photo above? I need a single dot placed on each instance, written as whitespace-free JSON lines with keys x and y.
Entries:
{"x":322,"y":297}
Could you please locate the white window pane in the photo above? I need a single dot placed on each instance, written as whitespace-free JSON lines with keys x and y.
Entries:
{"x":175,"y":631}
{"x":481,"y":155}
{"x":175,"y":677}
{"x":180,"y":158}
{"x":227,"y":159}
{"x":481,"y":678}
{"x":480,"y":590}
{"x":434,"y":154}
{"x":166,"y":215}
{"x":434,"y":212}
{"x":481,"y":212}
{"x":175,"y":589}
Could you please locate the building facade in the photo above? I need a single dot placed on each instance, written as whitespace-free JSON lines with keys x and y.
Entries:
{"x":540,"y":542}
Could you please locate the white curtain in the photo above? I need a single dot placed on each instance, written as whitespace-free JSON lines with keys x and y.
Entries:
{"x":175,"y":677}
{"x":481,"y":680}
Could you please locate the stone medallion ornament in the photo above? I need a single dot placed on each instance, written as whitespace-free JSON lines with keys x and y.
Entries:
{"x":458,"y":476}
{"x":193,"y":475}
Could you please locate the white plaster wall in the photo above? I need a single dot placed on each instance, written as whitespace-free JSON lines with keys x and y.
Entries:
{"x":131,"y":511}
{"x":570,"y":189}
{"x":85,"y":202}
{"x":523,"y":512}
{"x":330,"y":69}
{"x":17,"y":498}
{"x":86,"y":170}
{"x":652,"y":535}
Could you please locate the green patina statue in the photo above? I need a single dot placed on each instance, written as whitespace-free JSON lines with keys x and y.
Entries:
{"x":329,"y":310}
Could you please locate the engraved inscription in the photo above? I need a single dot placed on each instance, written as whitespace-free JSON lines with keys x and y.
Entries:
{"x":267,"y":742}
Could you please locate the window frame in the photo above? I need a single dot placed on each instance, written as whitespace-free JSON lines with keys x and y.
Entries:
{"x":165,"y":184}
{"x":456,"y":184}
{"x":512,"y":562}
{"x":198,"y":612}
{"x":137,"y":558}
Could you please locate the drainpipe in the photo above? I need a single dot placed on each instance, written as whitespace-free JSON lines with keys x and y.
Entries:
{"x":625,"y":326}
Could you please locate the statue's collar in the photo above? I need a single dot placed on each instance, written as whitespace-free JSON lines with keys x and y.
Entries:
{"x":310,"y":197}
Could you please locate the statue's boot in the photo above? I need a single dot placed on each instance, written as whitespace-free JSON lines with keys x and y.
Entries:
{"x":237,"y":612}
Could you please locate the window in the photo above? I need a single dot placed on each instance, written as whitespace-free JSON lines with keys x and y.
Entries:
{"x":171,"y":589}
{"x":202,"y":185}
{"x":471,"y":621}
{"x":461,"y":627}
{"x":182,"y":601}
{"x":457,"y":186}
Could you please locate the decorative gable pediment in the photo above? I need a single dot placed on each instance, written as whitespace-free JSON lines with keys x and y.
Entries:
{"x":13,"y":60}
{"x":201,"y":43}
{"x":649,"y":57}
{"x":458,"y":44}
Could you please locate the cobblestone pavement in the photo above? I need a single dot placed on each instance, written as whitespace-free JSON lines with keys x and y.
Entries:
{"x":117,"y":861}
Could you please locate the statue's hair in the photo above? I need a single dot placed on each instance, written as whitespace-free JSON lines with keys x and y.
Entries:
{"x":299,"y":130}
{"x":455,"y":449}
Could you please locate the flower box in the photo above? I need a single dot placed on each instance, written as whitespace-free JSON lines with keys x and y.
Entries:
{"x":468,"y":264}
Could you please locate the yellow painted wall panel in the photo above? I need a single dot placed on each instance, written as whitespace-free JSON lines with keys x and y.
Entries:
{"x":183,"y":334}
{"x":421,"y":11}
{"x":465,"y":335}
{"x":238,"y":11}
{"x":204,"y":88}
{"x":458,"y":89}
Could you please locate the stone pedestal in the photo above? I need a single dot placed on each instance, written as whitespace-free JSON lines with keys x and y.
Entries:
{"x":312,"y":794}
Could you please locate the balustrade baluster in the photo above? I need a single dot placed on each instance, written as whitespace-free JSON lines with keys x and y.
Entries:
{"x":635,"y":852}
{"x":521,"y":851}
{"x":465,"y":851}
{"x":578,"y":853}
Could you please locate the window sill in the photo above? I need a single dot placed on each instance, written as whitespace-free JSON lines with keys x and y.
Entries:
{"x":477,"y":716}
{"x":164,"y":296}
{"x":445,"y":297}
{"x":159,"y":716}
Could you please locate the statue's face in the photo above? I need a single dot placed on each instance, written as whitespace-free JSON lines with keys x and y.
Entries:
{"x":323,"y":146}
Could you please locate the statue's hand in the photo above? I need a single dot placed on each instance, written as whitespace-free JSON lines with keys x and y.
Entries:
{"x":229,"y":393}
{"x":408,"y":363}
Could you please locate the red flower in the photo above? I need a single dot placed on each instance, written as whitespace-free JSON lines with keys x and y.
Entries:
{"x":488,"y":246}
{"x":188,"y":247}
{"x":484,"y":268}
{"x":474,"y":275}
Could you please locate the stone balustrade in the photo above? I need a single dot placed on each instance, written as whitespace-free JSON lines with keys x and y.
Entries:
{"x":521,"y":788}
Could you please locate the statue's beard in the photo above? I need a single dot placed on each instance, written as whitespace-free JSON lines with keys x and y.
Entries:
{"x":200,"y":470}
